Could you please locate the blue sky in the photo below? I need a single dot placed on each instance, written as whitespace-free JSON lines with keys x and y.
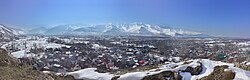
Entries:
{"x":222,"y":17}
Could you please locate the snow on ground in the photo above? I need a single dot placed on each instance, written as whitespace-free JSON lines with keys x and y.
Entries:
{"x":31,"y":43}
{"x":133,"y":76}
{"x":24,"y":45}
{"x":240,"y":74}
{"x":207,"y":65}
{"x":208,"y":68}
{"x":97,"y":46}
{"x":185,"y":75}
{"x":179,"y":66}
{"x":248,"y":63}
{"x":90,"y":74}
{"x":18,"y":54}
{"x":175,"y":59}
{"x":54,"y":45}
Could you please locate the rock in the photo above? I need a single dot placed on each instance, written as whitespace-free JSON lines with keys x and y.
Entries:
{"x":165,"y":75}
{"x":194,"y":71}
{"x":115,"y":78}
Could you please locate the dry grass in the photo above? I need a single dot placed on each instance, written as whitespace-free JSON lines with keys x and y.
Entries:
{"x":11,"y":69}
{"x":220,"y":74}
{"x":243,"y":66}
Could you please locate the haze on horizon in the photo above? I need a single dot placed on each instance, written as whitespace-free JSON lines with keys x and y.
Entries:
{"x":219,"y":17}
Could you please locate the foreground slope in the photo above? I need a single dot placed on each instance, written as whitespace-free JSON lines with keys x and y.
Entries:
{"x":12,"y":69}
{"x":199,"y":69}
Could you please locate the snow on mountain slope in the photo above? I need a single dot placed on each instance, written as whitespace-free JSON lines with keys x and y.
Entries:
{"x":112,"y":29}
{"x":18,"y":31}
{"x":156,"y":30}
{"x":133,"y":28}
{"x":10,"y":30}
{"x":7,"y":33}
{"x":153,"y":29}
{"x":39,"y":30}
{"x":60,"y":30}
{"x":120,"y":29}
{"x":207,"y":68}
{"x":141,"y":29}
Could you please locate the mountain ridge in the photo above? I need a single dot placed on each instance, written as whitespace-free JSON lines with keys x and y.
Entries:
{"x":139,"y":29}
{"x":7,"y":33}
{"x":125,"y":29}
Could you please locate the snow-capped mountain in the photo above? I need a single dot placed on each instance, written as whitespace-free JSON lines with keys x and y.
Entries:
{"x":7,"y":32}
{"x":138,"y":29}
{"x":38,"y":30}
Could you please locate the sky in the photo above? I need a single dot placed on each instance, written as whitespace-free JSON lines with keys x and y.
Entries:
{"x":220,"y":17}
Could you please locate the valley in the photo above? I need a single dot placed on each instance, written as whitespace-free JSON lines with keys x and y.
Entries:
{"x":134,"y":57}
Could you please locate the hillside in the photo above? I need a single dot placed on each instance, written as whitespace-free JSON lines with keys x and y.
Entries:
{"x":12,"y":69}
{"x":198,"y":69}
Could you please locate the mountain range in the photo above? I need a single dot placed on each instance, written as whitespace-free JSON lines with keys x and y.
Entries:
{"x":130,"y":29}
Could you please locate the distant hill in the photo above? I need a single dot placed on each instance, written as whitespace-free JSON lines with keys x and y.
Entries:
{"x":7,"y":33}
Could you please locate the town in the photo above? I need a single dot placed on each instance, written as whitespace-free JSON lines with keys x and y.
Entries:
{"x":62,"y":54}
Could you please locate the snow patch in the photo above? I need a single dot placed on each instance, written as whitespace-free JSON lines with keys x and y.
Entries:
{"x":185,"y":75}
{"x":19,"y":54}
{"x":90,"y":74}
